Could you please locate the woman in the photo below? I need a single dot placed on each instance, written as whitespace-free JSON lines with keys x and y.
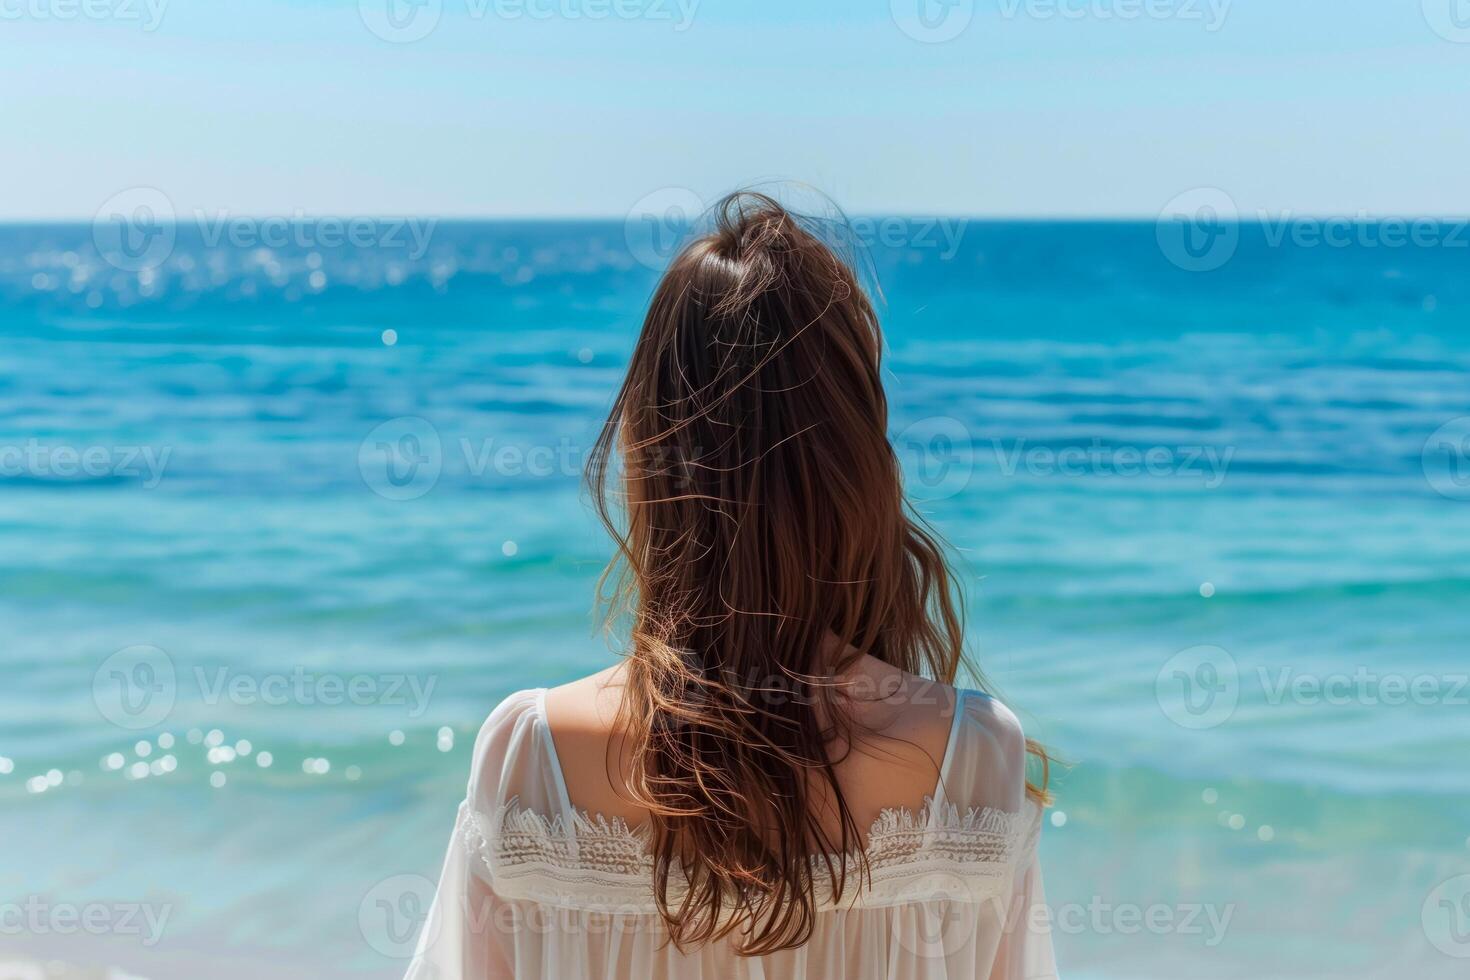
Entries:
{"x":777,"y":780}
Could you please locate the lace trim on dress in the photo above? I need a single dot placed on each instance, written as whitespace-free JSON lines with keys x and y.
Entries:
{"x":589,"y":862}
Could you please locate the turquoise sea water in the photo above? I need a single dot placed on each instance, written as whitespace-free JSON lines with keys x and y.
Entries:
{"x":1215,"y":528}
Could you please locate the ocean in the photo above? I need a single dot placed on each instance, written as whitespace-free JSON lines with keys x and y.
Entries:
{"x":285,"y":515}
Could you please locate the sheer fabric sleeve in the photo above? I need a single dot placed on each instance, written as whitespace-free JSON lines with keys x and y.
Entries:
{"x":1025,"y":951}
{"x":469,"y":932}
{"x":987,"y":772}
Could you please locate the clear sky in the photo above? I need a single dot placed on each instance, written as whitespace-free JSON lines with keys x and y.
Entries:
{"x":543,"y":107}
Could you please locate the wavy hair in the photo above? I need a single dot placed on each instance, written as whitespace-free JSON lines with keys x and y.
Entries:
{"x":746,"y":475}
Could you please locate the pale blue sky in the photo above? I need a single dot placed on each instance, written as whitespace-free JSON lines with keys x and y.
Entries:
{"x":279,"y":106}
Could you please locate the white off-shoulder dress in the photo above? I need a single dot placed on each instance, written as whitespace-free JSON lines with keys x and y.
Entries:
{"x":535,"y":889}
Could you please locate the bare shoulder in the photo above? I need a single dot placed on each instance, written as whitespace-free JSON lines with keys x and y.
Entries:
{"x":996,"y":722}
{"x":989,"y":758}
{"x":588,"y":704}
{"x":897,"y":704}
{"x":582,"y":717}
{"x":904,"y":724}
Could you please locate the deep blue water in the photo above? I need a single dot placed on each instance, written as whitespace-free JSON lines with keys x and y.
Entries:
{"x":1171,"y":492}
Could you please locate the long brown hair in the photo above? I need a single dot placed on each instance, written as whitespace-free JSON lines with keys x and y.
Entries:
{"x":746,"y":474}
